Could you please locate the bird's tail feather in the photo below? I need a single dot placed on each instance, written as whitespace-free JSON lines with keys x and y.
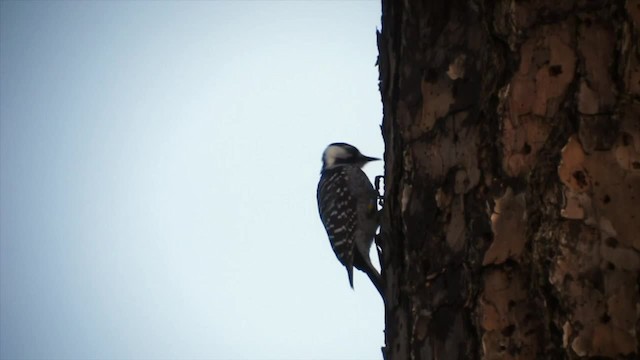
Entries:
{"x":350,"y":272}
{"x":376,"y":279}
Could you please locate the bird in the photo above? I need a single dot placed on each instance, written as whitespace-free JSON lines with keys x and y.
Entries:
{"x":348,"y":210}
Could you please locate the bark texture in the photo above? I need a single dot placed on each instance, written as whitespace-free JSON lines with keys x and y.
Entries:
{"x":511,"y":224}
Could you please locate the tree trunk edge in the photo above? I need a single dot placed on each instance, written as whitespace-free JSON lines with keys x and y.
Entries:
{"x":440,"y":298}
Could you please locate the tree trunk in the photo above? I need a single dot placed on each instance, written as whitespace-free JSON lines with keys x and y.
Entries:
{"x":511,"y":225}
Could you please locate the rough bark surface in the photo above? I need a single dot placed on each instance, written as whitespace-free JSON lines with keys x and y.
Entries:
{"x":511,"y":225}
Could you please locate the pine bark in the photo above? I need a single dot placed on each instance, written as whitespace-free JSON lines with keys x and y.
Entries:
{"x":511,"y":222}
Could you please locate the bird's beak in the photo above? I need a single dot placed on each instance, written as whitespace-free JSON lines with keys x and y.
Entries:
{"x":368,"y":158}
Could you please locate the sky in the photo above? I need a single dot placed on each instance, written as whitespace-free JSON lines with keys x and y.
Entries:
{"x":158,"y":171}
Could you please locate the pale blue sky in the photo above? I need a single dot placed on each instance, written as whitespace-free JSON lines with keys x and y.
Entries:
{"x":158,"y":169}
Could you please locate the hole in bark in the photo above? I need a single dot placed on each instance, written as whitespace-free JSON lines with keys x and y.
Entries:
{"x":636,"y":165}
{"x":605,"y":318}
{"x":611,"y":242}
{"x":606,"y":199}
{"x":430,"y":75}
{"x":597,"y":280}
{"x":398,"y":347}
{"x":581,"y":178}
{"x":508,"y":331}
{"x":597,"y":183}
{"x":626,"y":139}
{"x":555,"y":70}
{"x":511,"y":304}
{"x":527,"y":148}
{"x":611,"y":266}
{"x":568,"y":277}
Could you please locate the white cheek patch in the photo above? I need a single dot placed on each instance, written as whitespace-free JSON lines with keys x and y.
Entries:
{"x":332,"y":153}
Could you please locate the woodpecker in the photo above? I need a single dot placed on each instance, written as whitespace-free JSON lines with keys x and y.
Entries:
{"x":347,"y":206}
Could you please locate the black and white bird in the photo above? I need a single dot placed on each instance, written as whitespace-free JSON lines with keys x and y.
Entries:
{"x":348,"y":210}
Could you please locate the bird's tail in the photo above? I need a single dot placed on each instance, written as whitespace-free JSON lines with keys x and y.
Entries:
{"x":364,"y":264}
{"x":376,"y":279}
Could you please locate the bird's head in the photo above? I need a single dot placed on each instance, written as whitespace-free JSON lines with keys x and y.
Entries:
{"x":339,"y":154}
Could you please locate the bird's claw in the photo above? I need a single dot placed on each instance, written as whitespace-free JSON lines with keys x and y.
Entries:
{"x":377,"y":185}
